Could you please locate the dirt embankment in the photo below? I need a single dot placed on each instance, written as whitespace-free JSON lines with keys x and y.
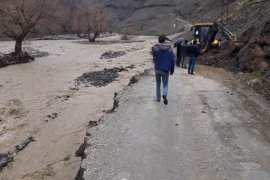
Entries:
{"x":250,"y":21}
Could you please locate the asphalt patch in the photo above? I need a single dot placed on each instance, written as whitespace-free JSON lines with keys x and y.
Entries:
{"x":112,"y":54}
{"x":99,"y":78}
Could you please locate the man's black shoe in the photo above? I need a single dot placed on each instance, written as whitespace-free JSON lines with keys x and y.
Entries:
{"x":165,"y":100}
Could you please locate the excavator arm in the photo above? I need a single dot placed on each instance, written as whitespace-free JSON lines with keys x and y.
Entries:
{"x":227,"y":33}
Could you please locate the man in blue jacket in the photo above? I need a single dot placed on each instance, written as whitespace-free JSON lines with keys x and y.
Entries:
{"x":163,"y":57}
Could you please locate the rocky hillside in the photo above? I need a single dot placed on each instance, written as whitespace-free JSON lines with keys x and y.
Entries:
{"x":154,"y":16}
{"x":250,"y":21}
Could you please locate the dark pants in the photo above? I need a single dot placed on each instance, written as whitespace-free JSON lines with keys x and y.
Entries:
{"x":191,"y":65}
{"x":178,"y":60}
{"x":183,"y":61}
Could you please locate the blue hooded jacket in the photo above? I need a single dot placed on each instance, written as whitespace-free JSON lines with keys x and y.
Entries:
{"x":163,"y":57}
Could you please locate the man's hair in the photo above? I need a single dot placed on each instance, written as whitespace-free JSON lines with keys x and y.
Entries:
{"x":161,"y":39}
{"x":195,"y":41}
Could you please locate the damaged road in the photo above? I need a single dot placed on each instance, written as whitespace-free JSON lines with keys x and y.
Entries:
{"x":207,"y":131}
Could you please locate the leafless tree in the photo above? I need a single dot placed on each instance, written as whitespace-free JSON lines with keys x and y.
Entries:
{"x":92,"y":20}
{"x":127,"y":32}
{"x":65,"y":14}
{"x":18,"y":18}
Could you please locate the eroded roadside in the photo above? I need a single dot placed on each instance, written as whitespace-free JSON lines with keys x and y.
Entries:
{"x":92,"y":124}
{"x":43,"y":100}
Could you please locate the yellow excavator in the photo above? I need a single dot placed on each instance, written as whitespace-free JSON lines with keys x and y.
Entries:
{"x":206,"y":35}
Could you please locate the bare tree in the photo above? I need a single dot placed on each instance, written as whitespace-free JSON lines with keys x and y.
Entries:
{"x":65,"y":14}
{"x":18,"y":18}
{"x":92,"y":20}
{"x":127,"y":32}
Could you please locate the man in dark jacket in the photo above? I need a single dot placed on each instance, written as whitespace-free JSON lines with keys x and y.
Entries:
{"x":178,"y":46}
{"x":193,"y":52}
{"x":184,"y":54}
{"x":163,"y":57}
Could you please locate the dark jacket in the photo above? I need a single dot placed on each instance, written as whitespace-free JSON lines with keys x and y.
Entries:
{"x":184,"y":49}
{"x":178,"y":49}
{"x":163,"y":57}
{"x":177,"y":45}
{"x":193,"y":50}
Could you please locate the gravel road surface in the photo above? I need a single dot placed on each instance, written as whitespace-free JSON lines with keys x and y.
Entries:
{"x":206,"y":132}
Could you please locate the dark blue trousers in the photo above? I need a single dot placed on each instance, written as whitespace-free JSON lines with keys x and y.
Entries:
{"x":191,"y":65}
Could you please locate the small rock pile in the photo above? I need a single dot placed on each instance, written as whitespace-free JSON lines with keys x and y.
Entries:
{"x":99,"y":78}
{"x":112,"y":54}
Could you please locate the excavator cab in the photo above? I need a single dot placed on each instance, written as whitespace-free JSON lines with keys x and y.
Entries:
{"x":208,"y":35}
{"x":205,"y":34}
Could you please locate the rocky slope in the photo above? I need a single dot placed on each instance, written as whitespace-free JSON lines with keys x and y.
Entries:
{"x":153,"y":16}
{"x":250,"y":21}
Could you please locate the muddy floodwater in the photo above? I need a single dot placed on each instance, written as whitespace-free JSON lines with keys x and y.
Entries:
{"x":42,"y":100}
